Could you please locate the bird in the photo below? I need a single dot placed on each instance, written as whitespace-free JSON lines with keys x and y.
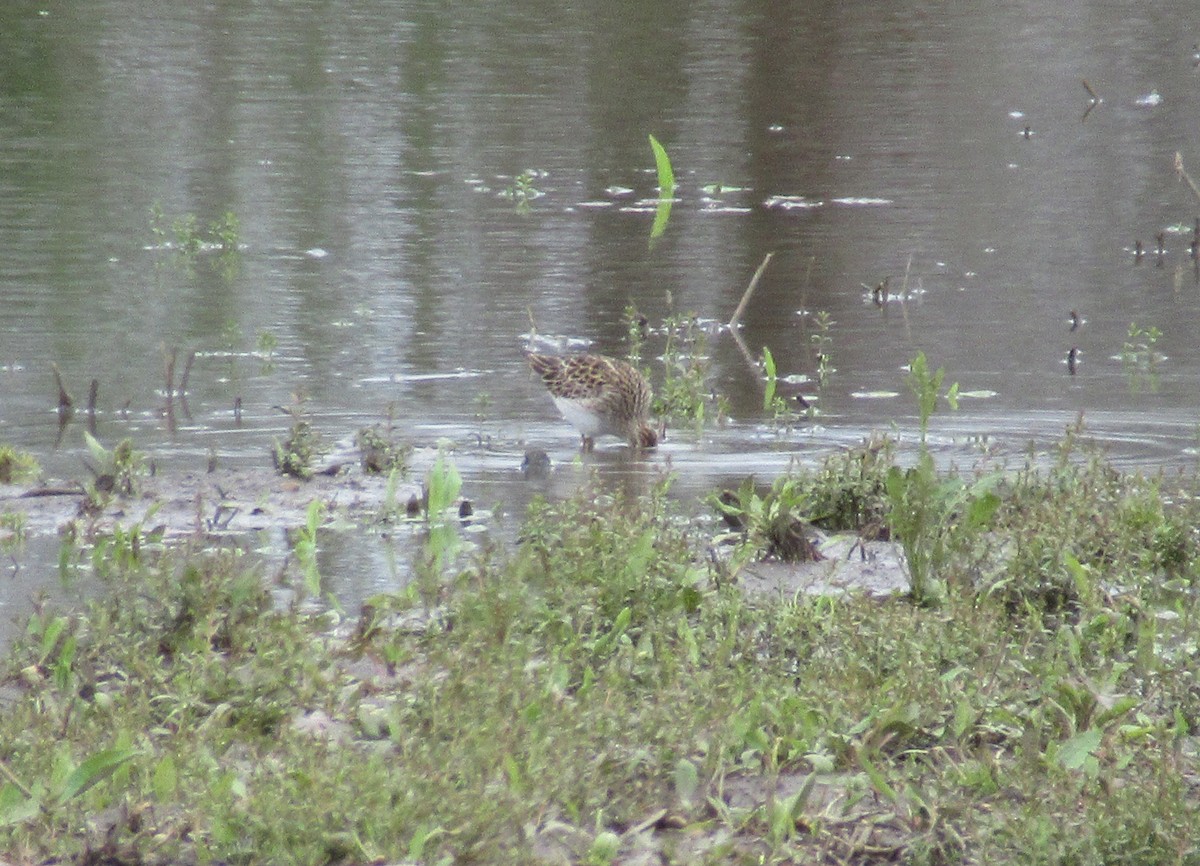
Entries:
{"x":598,"y":395}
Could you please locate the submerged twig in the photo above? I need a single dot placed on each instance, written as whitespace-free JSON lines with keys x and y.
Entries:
{"x":169,"y":364}
{"x":187,"y":371}
{"x":1182,"y":172}
{"x":1093,"y":101}
{"x":64,"y":399}
{"x":741,"y":307}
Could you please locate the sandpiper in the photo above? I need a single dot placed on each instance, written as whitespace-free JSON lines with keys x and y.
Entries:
{"x":598,"y":395}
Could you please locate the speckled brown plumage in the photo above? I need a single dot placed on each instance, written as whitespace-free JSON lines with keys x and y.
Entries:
{"x":599,"y":395}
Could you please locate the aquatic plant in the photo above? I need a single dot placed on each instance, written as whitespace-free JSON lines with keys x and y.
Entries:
{"x":662,"y":164}
{"x":666,"y":189}
{"x":267,"y":344}
{"x":521,"y":192}
{"x":821,"y":342}
{"x":783,"y":416}
{"x":187,"y":236}
{"x":684,"y":394}
{"x":1139,"y":358}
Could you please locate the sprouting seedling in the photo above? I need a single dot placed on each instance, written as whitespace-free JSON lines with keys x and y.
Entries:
{"x":772,"y":378}
{"x":926,"y":386}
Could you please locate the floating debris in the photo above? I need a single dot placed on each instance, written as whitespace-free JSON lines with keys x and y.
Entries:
{"x":874,"y":395}
{"x":791,"y":202}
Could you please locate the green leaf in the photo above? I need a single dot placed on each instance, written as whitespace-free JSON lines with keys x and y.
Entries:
{"x":1079,"y":574}
{"x":981,"y":509}
{"x":165,"y":780}
{"x":662,"y":214}
{"x":95,"y":769}
{"x":878,"y":781}
{"x":99,"y":453}
{"x":15,"y":807}
{"x":1075,"y":751}
{"x":687,"y":780}
{"x":444,"y":485}
{"x":666,"y":176}
{"x":769,"y":369}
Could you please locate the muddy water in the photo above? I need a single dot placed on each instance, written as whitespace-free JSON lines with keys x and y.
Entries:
{"x":389,"y":255}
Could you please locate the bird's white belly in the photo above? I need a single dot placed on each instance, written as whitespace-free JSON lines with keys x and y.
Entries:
{"x":585,"y":421}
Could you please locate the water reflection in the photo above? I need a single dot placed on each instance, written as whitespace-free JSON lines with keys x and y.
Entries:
{"x":942,"y":151}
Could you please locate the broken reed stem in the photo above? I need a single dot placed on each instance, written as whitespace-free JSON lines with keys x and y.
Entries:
{"x":187,"y":371}
{"x":1091,"y":92}
{"x":1182,"y":172}
{"x":169,"y":363}
{"x":93,"y":392}
{"x":64,"y":399}
{"x":741,"y":307}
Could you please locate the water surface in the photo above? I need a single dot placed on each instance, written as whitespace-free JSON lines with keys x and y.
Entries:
{"x":371,"y":153}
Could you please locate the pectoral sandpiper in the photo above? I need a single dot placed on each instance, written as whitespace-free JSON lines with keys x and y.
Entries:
{"x":599,"y":396}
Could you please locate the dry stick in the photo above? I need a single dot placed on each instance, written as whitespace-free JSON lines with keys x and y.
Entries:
{"x":1091,"y":93}
{"x":741,"y":307}
{"x":64,"y":399}
{"x":1182,"y":172}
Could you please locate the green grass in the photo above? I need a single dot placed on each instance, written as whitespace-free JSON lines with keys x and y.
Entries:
{"x":606,"y":691}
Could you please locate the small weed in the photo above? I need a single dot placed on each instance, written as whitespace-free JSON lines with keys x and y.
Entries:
{"x":267,"y":344}
{"x":684,"y":395}
{"x":522,"y":191}
{"x":776,"y":523}
{"x":927,"y":388}
{"x":305,"y":547}
{"x":379,"y":453}
{"x":1139,"y":358}
{"x":115,"y":471}
{"x":483,"y":403}
{"x":296,"y":455}
{"x":783,"y":416}
{"x":17,"y":467}
{"x":820,"y":341}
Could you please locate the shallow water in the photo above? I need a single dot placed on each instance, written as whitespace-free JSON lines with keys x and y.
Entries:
{"x":371,"y":151}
